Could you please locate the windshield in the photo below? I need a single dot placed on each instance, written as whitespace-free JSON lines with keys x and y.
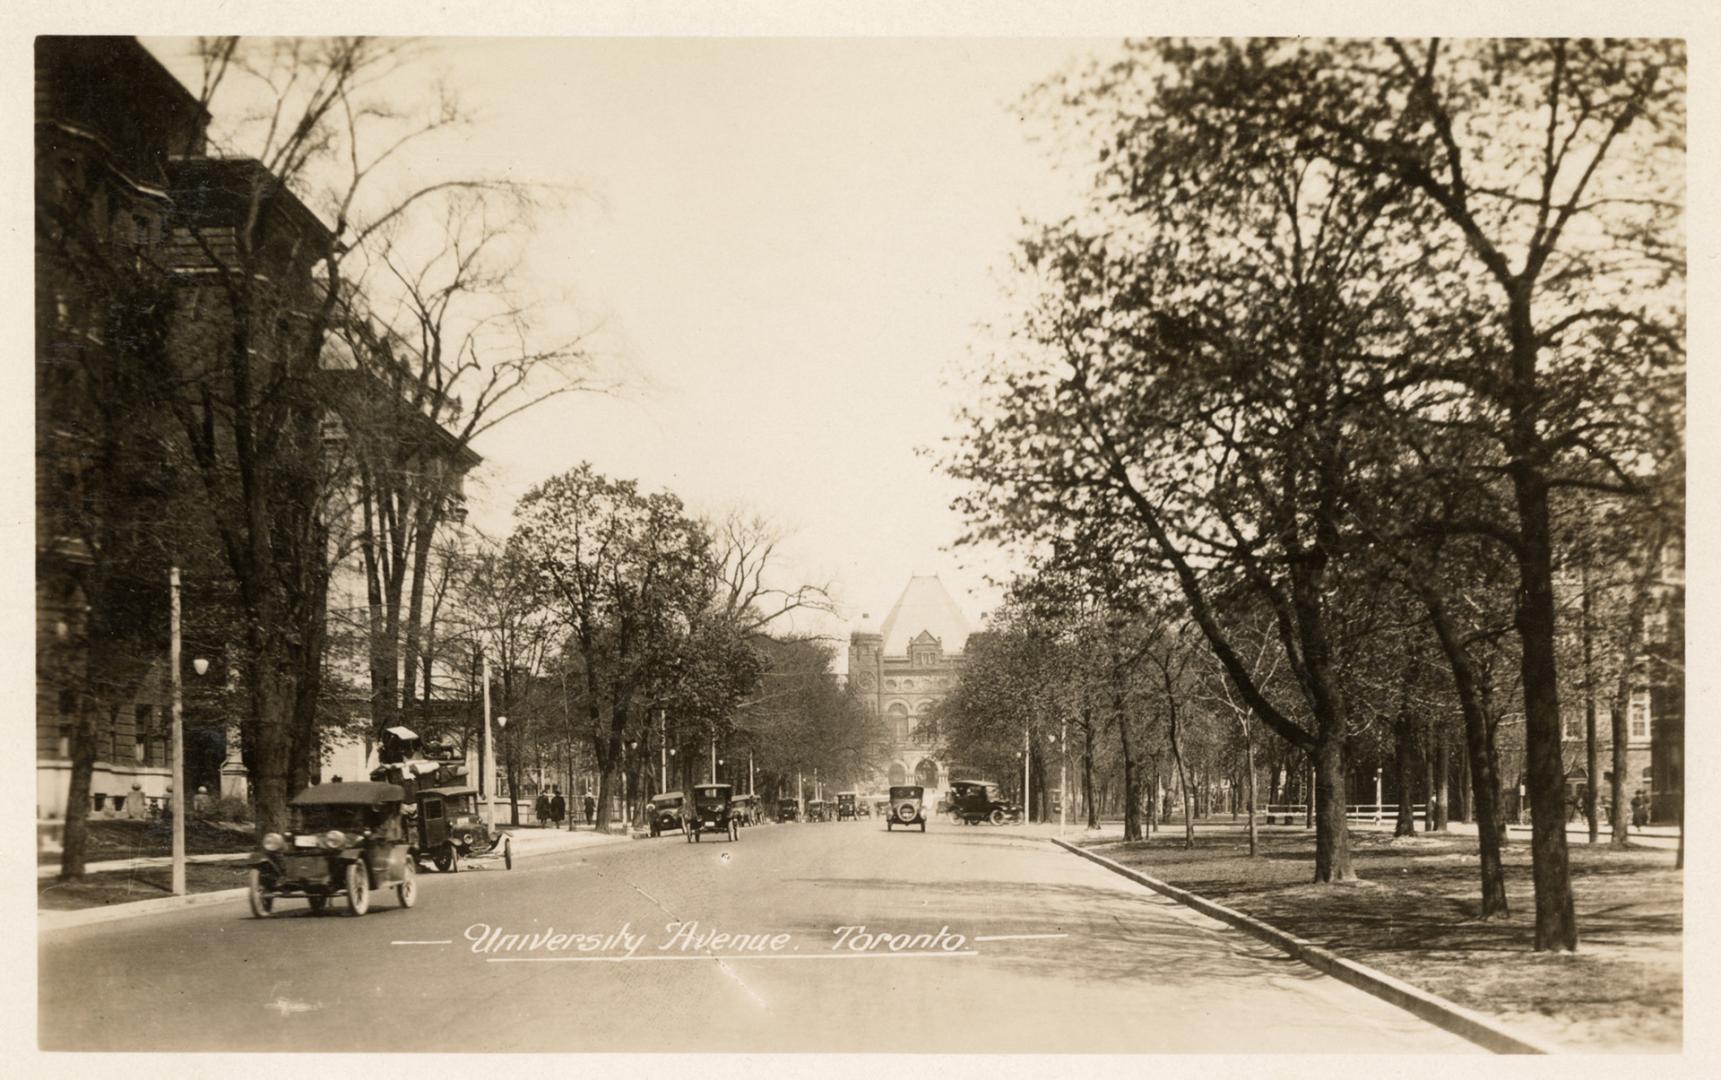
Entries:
{"x":347,"y":818}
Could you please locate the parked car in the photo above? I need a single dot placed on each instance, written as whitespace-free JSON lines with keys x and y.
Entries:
{"x":713,"y":813}
{"x":346,"y":839}
{"x":817,"y":810}
{"x":974,"y":801}
{"x":846,"y":806}
{"x":905,"y":807}
{"x":446,"y":826}
{"x":663,"y":813}
{"x":788,"y":809}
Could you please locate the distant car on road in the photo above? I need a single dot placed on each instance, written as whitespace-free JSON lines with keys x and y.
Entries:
{"x":713,"y":813}
{"x":974,"y":801}
{"x":747,"y":809}
{"x":817,"y":811}
{"x":447,"y":827}
{"x":344,"y":839}
{"x":846,"y":809}
{"x":905,"y":807}
{"x":788,"y":809}
{"x":663,"y":813}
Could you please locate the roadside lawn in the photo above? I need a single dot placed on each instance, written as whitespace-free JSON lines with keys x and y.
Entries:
{"x":124,"y":886}
{"x":1414,"y":915}
{"x":125,"y":839}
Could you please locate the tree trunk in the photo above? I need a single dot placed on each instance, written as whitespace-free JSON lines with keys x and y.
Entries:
{"x":1442,"y":780}
{"x":1404,"y":760}
{"x":1249,"y":755}
{"x":1592,"y":748}
{"x":1309,"y":796}
{"x":1332,"y":829}
{"x":84,"y":752}
{"x":1481,"y":762}
{"x":1183,"y":786}
{"x":1088,"y":775}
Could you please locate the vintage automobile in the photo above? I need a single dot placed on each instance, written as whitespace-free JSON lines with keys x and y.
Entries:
{"x":713,"y":813}
{"x":881,"y":807}
{"x":345,"y":839}
{"x":817,"y":810}
{"x":746,"y":809}
{"x":905,"y":807}
{"x":846,"y":806}
{"x":788,"y":809}
{"x":974,"y":801}
{"x":446,"y":827}
{"x":663,"y":813}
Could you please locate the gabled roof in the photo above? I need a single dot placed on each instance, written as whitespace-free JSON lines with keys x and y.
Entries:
{"x":925,"y":607}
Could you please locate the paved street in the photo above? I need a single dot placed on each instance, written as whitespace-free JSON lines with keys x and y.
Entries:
{"x":1054,"y":955}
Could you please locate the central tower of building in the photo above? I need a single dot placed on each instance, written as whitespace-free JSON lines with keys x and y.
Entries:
{"x":905,"y":666}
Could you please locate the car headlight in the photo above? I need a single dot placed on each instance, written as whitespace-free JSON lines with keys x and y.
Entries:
{"x":273,"y":841}
{"x":334,"y":839}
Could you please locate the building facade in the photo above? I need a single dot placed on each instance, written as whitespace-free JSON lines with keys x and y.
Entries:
{"x":903,"y":668}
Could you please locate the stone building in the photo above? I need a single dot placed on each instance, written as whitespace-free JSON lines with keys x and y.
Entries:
{"x":904,"y":667}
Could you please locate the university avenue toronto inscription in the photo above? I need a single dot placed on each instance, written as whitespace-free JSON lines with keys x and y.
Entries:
{"x":690,"y":937}
{"x":729,"y":543}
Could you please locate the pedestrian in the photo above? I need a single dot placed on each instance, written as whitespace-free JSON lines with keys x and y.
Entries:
{"x":541,"y":809}
{"x":591,"y":808}
{"x":1639,"y":810}
{"x":689,"y":815}
{"x":558,"y":807}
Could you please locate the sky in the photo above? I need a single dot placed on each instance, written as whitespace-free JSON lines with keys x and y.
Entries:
{"x":789,"y":247}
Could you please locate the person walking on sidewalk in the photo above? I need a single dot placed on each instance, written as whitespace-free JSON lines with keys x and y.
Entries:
{"x":541,"y":809}
{"x":591,"y":808}
{"x":558,"y":807}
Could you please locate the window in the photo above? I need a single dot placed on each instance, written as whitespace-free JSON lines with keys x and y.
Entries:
{"x":143,"y":732}
{"x":1640,"y":714}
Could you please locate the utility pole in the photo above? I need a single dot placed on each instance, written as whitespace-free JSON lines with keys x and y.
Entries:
{"x":1064,"y":777}
{"x":485,"y":778}
{"x":1027,"y":776}
{"x":178,"y":803}
{"x":663,"y":750}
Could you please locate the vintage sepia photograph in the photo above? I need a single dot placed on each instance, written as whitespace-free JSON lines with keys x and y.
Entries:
{"x":931,"y":544}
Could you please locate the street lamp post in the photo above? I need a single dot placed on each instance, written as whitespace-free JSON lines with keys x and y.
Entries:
{"x":713,"y":759}
{"x":662,"y":750}
{"x":1028,"y":776}
{"x":495,"y":767}
{"x":750,"y":772}
{"x":1064,"y":776}
{"x":178,"y":776}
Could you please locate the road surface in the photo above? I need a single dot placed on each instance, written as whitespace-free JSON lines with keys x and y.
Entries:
{"x":846,"y":938}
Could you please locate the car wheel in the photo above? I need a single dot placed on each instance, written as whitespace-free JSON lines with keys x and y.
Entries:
{"x":507,"y":855}
{"x":319,"y":904}
{"x":262,"y":904}
{"x":889,"y":824}
{"x":443,"y":860}
{"x":996,"y":817}
{"x":358,"y":888}
{"x":407,"y":890}
{"x":923,"y":826}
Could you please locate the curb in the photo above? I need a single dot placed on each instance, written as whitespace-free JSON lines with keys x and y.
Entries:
{"x":50,"y":921}
{"x":1481,"y":1030}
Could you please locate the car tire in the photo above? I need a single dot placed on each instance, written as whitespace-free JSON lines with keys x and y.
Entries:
{"x":889,"y":824}
{"x":996,"y":817}
{"x":407,"y":891}
{"x":319,"y":904}
{"x":507,"y":855}
{"x":262,"y":904}
{"x":358,"y":888}
{"x":923,"y":825}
